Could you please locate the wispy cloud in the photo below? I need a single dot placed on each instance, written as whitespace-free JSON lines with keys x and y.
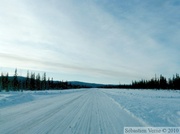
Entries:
{"x":109,"y":39}
{"x":39,"y":64}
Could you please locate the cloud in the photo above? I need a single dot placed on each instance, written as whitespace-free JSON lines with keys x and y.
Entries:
{"x":38,"y":65}
{"x":116,"y":39}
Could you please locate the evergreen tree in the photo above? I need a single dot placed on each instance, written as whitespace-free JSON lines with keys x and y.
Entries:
{"x":32,"y":81}
{"x":15,"y":81}
{"x":163,"y":82}
{"x":52,"y":84}
{"x":176,"y":82}
{"x":3,"y":81}
{"x":160,"y":83}
{"x":6,"y":82}
{"x":48,"y":83}
{"x":44,"y":81}
{"x":27,"y":81}
{"x":38,"y":82}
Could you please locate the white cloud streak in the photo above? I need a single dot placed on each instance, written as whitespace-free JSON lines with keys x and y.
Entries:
{"x":111,"y":41}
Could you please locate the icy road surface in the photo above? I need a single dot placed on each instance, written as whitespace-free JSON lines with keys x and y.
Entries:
{"x":84,"y":112}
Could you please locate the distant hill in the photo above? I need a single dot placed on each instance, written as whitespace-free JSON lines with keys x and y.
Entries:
{"x":79,"y":83}
{"x":20,"y":78}
{"x":73,"y":83}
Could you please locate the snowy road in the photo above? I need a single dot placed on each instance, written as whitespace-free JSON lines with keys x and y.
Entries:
{"x":84,"y":112}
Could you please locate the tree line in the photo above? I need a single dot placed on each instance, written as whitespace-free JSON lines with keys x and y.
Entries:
{"x":158,"y":83}
{"x":37,"y":82}
{"x":32,"y":82}
{"x":155,"y":83}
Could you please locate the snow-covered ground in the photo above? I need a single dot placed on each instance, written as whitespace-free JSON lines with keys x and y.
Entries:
{"x":95,"y":111}
{"x":13,"y":98}
{"x":158,"y":108}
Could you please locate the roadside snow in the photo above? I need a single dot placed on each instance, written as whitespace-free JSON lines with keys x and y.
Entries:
{"x":13,"y":98}
{"x":158,"y":108}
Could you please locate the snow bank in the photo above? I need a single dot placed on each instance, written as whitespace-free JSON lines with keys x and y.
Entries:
{"x":157,"y":107}
{"x":13,"y":98}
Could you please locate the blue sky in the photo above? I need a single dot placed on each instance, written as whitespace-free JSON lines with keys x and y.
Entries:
{"x":101,"y":41}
